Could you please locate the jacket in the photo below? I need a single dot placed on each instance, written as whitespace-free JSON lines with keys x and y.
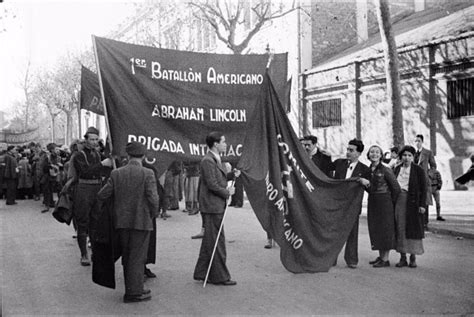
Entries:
{"x":135,"y":197}
{"x":212,"y":192}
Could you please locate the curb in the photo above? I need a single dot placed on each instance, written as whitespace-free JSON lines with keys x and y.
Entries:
{"x":451,"y":232}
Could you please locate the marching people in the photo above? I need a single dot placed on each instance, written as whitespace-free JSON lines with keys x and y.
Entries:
{"x":10,"y":176}
{"x":348,"y":168}
{"x":383,"y":190}
{"x":213,"y":195}
{"x":135,"y":197}
{"x":89,"y":168}
{"x":424,"y":158}
{"x":410,"y":207}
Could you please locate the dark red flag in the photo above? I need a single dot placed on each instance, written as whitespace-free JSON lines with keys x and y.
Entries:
{"x":307,"y":213}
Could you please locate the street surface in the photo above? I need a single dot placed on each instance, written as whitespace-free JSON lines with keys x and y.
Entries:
{"x":41,"y":274}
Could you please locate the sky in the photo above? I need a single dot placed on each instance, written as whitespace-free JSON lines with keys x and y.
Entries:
{"x":42,"y":31}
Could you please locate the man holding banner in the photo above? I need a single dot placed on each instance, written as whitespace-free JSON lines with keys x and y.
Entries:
{"x":213,"y":194}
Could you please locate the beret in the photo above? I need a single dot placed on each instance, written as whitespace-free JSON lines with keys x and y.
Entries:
{"x":135,"y":149}
{"x":92,"y":130}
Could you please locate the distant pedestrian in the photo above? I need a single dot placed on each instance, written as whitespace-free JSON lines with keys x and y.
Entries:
{"x":135,"y":197}
{"x":10,"y":175}
{"x":410,"y":208}
{"x":436,"y":184}
{"x":425,"y":159}
{"x":25,"y":178}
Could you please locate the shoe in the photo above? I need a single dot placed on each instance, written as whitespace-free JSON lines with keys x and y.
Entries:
{"x":37,"y":198}
{"x":13,"y":203}
{"x":402,"y":263}
{"x":44,"y":210}
{"x":146,"y":291}
{"x":148,"y":273}
{"x":375,"y":261}
{"x":382,"y":263}
{"x":85,"y":261}
{"x":440,"y":218}
{"x":352,"y":266}
{"x":136,"y":298}
{"x":412,"y":264}
{"x":193,"y":212}
{"x":227,"y":283}
{"x":198,"y":236}
{"x":164,"y":215}
{"x":269,"y":244}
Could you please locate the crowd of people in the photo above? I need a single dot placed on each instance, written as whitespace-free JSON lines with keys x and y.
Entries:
{"x":400,"y":186}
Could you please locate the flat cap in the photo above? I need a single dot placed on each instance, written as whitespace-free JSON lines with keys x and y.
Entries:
{"x":135,"y":149}
{"x":92,"y":130}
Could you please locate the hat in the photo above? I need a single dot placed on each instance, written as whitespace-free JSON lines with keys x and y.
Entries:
{"x":51,"y":146}
{"x":135,"y":149}
{"x":92,"y":130}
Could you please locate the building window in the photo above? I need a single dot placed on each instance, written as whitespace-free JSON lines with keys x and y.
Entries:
{"x":326,"y":113}
{"x":460,"y":98}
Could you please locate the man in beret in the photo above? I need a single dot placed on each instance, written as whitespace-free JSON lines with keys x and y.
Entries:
{"x":90,"y":167}
{"x":135,"y":201}
{"x":11,"y":175}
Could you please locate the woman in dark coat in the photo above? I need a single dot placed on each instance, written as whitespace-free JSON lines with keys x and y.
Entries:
{"x":410,"y":208}
{"x":383,"y":193}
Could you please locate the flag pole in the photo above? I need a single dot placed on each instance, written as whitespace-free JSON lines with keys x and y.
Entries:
{"x":217,"y":240}
{"x":102,"y":93}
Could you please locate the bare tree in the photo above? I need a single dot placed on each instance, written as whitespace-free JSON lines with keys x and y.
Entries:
{"x":47,"y":94}
{"x":225,"y":17}
{"x":391,"y":70}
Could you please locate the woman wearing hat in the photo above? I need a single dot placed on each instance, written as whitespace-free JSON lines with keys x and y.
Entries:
{"x":410,"y":208}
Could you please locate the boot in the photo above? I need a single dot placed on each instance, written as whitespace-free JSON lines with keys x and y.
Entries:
{"x":403,"y":260}
{"x":412,"y":261}
{"x":269,"y":244}
{"x":82,"y":242}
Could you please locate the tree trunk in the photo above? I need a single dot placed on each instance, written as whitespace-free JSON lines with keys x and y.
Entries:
{"x":391,"y":71}
{"x":53,"y":123}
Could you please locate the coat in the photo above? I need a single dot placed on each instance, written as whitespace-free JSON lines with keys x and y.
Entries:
{"x":11,"y":167}
{"x":135,"y":197}
{"x":212,"y":192}
{"x":25,"y":179}
{"x":416,"y":198}
{"x":427,"y":161}
{"x":322,"y":161}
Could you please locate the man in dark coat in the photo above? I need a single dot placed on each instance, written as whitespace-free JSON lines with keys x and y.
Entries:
{"x":351,"y":168}
{"x":135,"y":205}
{"x":213,"y":194}
{"x":425,"y":159}
{"x":320,"y":158}
{"x":10,"y":175}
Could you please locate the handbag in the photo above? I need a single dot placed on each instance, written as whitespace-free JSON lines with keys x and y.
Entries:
{"x":63,"y":209}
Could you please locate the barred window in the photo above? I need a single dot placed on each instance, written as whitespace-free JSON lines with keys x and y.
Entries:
{"x":460,"y":98}
{"x":326,"y":113}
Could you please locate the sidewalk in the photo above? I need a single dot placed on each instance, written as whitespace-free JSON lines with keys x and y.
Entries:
{"x":457,"y":207}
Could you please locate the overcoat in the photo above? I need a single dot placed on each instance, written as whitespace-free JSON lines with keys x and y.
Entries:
{"x":416,"y":198}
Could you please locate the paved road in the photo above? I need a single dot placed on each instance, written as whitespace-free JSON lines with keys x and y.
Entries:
{"x":41,"y":274}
